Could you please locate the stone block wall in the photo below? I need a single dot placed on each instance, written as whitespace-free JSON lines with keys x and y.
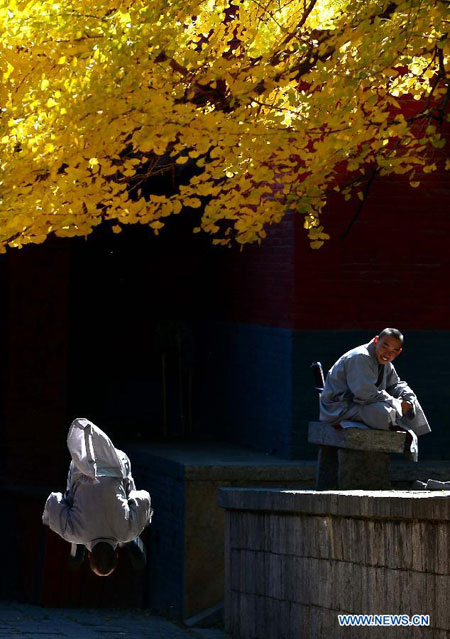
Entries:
{"x":295,"y":560}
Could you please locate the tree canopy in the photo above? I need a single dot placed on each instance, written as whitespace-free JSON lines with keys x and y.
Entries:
{"x":251,"y":107}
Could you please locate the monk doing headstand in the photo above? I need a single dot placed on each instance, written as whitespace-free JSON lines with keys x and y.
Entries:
{"x":101,"y":508}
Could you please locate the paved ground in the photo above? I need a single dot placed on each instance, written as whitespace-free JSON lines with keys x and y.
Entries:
{"x":33,"y":622}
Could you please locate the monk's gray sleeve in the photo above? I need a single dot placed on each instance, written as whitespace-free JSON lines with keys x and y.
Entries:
{"x":361,"y":378}
{"x":128,"y":480}
{"x":397,"y":388}
{"x":56,"y":516}
{"x":141,"y":511}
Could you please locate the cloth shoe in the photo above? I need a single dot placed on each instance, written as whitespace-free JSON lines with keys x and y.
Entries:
{"x":76,"y":557}
{"x":136,"y":553}
{"x":435,"y":484}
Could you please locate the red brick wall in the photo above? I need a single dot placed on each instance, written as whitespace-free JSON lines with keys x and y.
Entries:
{"x":392,"y":267}
{"x":33,"y":392}
{"x":258,"y":283}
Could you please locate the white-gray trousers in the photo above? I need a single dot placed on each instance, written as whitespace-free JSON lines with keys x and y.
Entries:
{"x":380,"y":415}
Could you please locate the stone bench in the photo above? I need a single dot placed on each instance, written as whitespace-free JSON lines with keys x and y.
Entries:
{"x":352,"y":458}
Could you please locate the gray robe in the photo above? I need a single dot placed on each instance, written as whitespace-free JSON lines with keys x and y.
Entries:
{"x":358,"y":388}
{"x":101,"y":502}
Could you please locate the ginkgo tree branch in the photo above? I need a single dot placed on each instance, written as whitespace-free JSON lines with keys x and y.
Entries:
{"x":306,"y":13}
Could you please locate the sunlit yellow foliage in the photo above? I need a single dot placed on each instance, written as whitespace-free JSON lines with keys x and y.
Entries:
{"x":254,"y":108}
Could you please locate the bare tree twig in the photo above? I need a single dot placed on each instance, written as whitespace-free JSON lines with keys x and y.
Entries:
{"x":360,"y":206}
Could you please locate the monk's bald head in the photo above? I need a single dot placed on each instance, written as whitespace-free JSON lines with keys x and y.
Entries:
{"x":391,"y":332}
{"x":103,"y":559}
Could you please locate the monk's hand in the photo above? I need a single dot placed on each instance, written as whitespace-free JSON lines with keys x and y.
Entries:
{"x":406,"y":407}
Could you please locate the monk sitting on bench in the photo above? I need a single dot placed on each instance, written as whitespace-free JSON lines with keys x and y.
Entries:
{"x":363,"y":387}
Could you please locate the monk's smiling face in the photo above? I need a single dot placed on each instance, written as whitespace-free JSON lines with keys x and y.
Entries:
{"x":387,"y":348}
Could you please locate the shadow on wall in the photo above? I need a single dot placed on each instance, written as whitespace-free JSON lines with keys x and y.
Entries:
{"x":135,"y":304}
